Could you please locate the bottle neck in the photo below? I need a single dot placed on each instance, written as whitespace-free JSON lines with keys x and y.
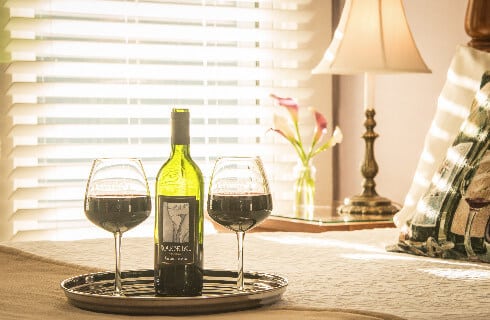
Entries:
{"x":180,"y":149}
{"x":180,"y":133}
{"x":180,"y":138}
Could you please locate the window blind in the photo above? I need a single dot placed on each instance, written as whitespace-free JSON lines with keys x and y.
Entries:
{"x":97,"y":78}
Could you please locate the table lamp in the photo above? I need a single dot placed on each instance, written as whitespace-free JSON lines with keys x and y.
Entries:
{"x":372,"y":37}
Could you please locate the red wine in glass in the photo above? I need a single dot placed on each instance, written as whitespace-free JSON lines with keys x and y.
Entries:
{"x":477,"y":203}
{"x":118,"y":213}
{"x":240,"y":212}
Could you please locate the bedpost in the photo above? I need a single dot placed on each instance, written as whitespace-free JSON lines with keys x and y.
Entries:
{"x":477,"y":24}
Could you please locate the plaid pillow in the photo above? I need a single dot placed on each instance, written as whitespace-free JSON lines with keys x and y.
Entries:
{"x":462,"y":82}
{"x":438,"y":227}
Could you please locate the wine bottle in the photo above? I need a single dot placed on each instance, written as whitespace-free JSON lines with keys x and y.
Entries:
{"x":179,"y":217}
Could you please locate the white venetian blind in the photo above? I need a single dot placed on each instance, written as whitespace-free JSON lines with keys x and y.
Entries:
{"x":97,"y":78}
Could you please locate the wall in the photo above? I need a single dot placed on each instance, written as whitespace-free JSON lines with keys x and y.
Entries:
{"x":405,"y":103}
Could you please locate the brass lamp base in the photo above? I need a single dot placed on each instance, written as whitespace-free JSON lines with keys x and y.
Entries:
{"x":369,"y":206}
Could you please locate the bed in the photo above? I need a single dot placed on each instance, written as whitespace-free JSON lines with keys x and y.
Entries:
{"x":327,"y":272}
{"x":331,"y":275}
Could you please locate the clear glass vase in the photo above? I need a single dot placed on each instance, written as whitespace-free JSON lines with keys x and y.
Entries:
{"x":304,"y":190}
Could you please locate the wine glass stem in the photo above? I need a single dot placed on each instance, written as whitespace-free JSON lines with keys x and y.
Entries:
{"x":117,"y":275}
{"x":240,"y":237}
{"x":467,"y":236}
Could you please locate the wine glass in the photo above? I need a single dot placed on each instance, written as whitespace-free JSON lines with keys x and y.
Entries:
{"x":239,"y":198}
{"x":476,"y":204}
{"x":117,"y":199}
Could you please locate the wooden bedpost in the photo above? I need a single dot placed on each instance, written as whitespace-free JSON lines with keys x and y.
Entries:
{"x":477,"y":24}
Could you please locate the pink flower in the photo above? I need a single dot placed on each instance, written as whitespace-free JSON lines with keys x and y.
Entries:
{"x":292,"y":133}
{"x":290,"y":105}
{"x":282,"y":127}
{"x":321,"y":126}
{"x":336,"y":137}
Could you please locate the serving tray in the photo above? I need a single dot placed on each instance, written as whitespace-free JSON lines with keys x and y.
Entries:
{"x":93,"y":292}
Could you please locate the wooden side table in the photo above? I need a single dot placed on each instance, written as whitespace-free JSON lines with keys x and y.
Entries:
{"x":277,"y":223}
{"x":325,"y":218}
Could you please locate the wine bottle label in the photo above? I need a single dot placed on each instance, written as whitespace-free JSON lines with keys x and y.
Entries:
{"x":176,"y":230}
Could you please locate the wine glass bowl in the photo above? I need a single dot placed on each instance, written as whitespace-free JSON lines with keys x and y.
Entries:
{"x":240,"y":213}
{"x":117,"y":199}
{"x":239,"y":198}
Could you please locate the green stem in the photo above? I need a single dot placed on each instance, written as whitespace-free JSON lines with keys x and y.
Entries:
{"x":304,"y":189}
{"x":299,"y":148}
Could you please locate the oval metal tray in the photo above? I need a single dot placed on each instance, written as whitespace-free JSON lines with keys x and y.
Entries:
{"x":93,"y":292}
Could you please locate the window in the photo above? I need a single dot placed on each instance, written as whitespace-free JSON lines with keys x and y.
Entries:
{"x":90,"y":78}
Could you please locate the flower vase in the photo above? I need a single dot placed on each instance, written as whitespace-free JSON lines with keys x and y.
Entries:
{"x":304,"y":190}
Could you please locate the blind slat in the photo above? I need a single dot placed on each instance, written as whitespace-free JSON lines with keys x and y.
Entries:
{"x":48,"y":28}
{"x":87,"y":151}
{"x":129,"y":130}
{"x":155,"y":111}
{"x":148,"y":91}
{"x":53,"y":193}
{"x":157,"y":11}
{"x":28,"y":50}
{"x":150,"y":72}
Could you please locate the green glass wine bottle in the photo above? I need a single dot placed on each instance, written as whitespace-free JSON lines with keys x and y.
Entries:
{"x":179,"y":217}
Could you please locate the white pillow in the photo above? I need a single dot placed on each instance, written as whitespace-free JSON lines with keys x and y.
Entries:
{"x":462,"y":82}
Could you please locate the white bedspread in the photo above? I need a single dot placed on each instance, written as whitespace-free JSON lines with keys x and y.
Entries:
{"x":327,"y":270}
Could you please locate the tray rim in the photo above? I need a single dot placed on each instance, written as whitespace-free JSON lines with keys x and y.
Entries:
{"x":156,"y":305}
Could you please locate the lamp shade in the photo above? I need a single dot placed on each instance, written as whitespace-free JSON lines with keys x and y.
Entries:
{"x":372,"y":36}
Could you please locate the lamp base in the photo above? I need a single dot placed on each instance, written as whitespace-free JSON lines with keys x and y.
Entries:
{"x":368,"y":206}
